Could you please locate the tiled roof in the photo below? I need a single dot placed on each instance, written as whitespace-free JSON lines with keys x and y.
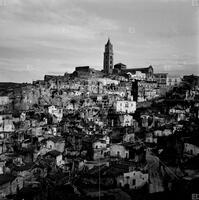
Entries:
{"x":23,"y":167}
{"x":133,"y":70}
{"x":54,"y":153}
{"x":56,"y":139}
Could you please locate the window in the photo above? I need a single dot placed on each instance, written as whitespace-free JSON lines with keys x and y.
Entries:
{"x":133,"y":182}
{"x":126,"y":105}
{"x":126,"y":155}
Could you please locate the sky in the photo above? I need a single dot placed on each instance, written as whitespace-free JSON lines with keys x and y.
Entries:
{"x":39,"y":37}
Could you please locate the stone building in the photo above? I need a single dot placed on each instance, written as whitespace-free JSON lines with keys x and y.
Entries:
{"x":148,"y":71}
{"x":125,"y":106}
{"x":161,"y":78}
{"x":118,"y":67}
{"x":133,"y":179}
{"x":108,"y":58}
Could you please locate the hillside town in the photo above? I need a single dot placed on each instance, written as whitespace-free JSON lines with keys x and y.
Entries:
{"x":117,"y":133}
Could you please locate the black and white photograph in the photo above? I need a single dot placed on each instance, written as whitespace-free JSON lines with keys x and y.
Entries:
{"x":99,"y":99}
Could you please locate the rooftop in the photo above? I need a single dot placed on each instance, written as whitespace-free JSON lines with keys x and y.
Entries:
{"x":53,"y":153}
{"x":133,"y":70}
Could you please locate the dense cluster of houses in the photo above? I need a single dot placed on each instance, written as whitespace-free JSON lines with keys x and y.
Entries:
{"x":87,"y":131}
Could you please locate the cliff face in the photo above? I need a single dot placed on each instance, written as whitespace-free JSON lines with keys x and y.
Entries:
{"x":28,"y":96}
{"x":21,"y":98}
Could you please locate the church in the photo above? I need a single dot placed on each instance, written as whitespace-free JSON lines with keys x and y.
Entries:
{"x":110,"y":69}
{"x":121,"y":69}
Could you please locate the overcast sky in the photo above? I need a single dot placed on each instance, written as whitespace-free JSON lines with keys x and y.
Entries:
{"x":40,"y":37}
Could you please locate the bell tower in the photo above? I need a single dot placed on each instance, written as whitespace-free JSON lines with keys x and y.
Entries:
{"x":108,"y":58}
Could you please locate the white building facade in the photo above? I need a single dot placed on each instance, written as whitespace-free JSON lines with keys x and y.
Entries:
{"x":125,"y":106}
